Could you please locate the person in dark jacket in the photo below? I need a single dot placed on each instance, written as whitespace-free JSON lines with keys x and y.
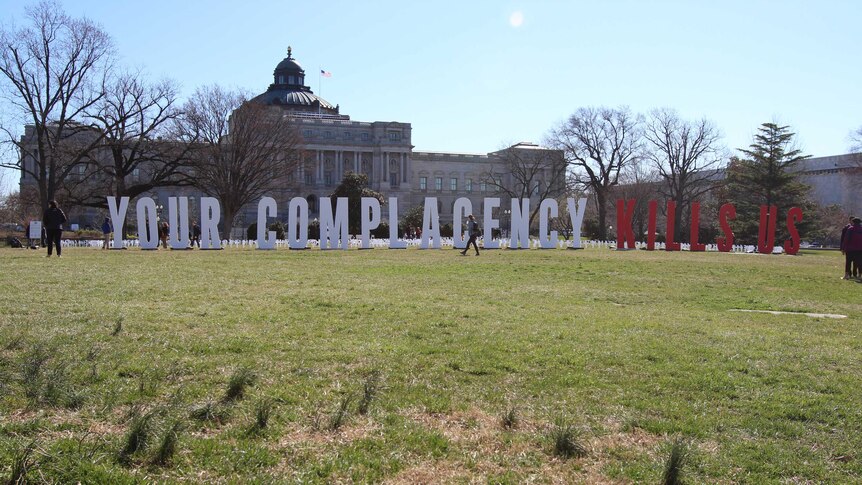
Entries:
{"x":53,"y":220}
{"x":852,"y":243}
{"x":472,"y":234}
{"x":850,"y":269}
{"x":107,"y":229}
{"x":195,"y":235}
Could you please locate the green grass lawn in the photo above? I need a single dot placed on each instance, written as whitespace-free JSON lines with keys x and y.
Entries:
{"x":115,"y":366}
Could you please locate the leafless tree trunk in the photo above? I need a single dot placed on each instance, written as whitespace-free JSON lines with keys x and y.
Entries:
{"x":686,"y":155}
{"x":136,"y":154}
{"x":53,"y":71}
{"x":598,"y":143}
{"x":243,"y":149}
{"x":523,"y":171}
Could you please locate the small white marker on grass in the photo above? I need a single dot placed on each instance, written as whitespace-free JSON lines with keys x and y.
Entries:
{"x":773,"y":312}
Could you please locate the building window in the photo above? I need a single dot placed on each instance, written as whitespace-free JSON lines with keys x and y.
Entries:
{"x":537,"y":188}
{"x":364,"y":137}
{"x":292,"y":79}
{"x":309,"y":179}
{"x":468,"y":185}
{"x":423,"y":183}
{"x":327,"y":177}
{"x":483,"y":187}
{"x":348,"y":135}
{"x":393,"y":180}
{"x":327,"y":134}
{"x":393,"y":136}
{"x":453,"y":184}
{"x":280,"y":79}
{"x":438,"y":183}
{"x":308,"y":133}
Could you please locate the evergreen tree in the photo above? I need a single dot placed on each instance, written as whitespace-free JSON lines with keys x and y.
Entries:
{"x":766,"y":175}
{"x":354,"y":186}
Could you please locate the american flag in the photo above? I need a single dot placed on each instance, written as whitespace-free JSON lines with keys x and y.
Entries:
{"x":325,"y":73}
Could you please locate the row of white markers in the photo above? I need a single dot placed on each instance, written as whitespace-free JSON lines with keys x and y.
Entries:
{"x":416,"y":243}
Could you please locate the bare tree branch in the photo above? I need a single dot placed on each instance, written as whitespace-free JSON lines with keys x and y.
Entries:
{"x":242,"y":149}
{"x":598,"y":143}
{"x":53,"y":71}
{"x":686,"y":155}
{"x":527,"y":171}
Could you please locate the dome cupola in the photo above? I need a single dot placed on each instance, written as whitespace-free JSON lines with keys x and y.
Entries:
{"x":288,"y":72}
{"x":289,"y":91}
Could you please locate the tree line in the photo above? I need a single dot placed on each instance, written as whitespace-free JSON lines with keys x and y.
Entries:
{"x":614,"y":154}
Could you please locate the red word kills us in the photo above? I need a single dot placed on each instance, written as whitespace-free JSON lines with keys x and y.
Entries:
{"x":727,"y":213}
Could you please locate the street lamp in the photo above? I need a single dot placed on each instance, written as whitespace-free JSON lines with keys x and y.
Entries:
{"x":507,"y":216}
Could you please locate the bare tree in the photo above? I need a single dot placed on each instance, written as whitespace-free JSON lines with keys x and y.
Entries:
{"x":686,"y":155}
{"x":526,"y":170}
{"x":53,"y":71}
{"x":242,"y":150}
{"x":136,"y":154}
{"x":598,"y":143}
{"x":856,"y":140}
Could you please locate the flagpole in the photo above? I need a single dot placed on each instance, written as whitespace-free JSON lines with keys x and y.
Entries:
{"x":319,"y":89}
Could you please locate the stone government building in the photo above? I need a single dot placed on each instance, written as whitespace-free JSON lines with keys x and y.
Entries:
{"x":334,"y":145}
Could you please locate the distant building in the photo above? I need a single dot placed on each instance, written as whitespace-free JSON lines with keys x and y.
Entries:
{"x":834,"y":180}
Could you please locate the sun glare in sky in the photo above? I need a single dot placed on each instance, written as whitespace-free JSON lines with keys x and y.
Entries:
{"x":516,"y":19}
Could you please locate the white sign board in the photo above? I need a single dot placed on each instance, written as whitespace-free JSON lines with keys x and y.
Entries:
{"x":35,"y":230}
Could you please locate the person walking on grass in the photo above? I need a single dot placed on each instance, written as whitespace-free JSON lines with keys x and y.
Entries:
{"x":53,"y":220}
{"x":472,"y":234}
{"x":106,"y":232}
{"x":851,"y":270}
{"x":195,"y":235}
{"x":851,"y":243}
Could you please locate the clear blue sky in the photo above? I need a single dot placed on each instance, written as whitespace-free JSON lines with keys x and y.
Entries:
{"x":469,"y":80}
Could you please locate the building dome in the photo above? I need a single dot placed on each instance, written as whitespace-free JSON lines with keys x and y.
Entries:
{"x":289,"y":91}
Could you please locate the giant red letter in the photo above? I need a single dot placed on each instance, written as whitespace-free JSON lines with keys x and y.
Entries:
{"x":727,"y":211}
{"x":625,"y":235}
{"x":766,"y":232}
{"x":669,"y":243}
{"x":794,"y":215}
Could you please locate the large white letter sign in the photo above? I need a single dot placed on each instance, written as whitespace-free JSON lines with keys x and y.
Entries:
{"x":547,"y":210}
{"x":297,"y":217}
{"x":577,"y":218}
{"x":462,"y":208}
{"x":394,"y":242}
{"x":520,"y":224}
{"x":181,"y":240}
{"x":430,"y":224}
{"x":266,"y":208}
{"x":148,"y":224}
{"x":369,"y":221}
{"x":333,"y":232}
{"x":490,"y":222}
{"x":210,"y":217}
{"x":118,"y":219}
